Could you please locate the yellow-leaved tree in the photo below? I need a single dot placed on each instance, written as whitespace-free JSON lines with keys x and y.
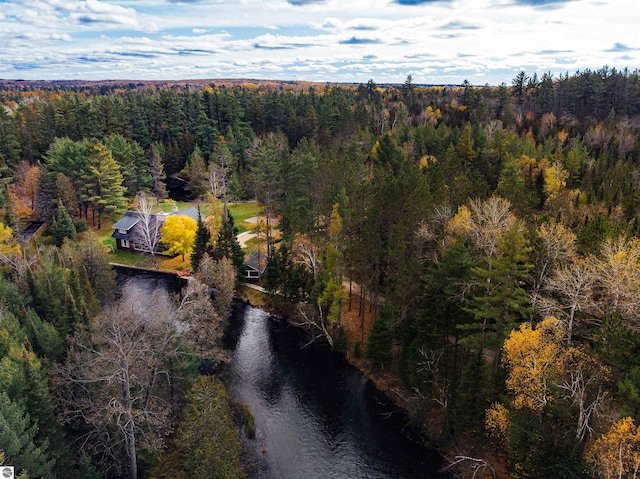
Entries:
{"x":8,"y":244}
{"x":616,"y":454}
{"x":460,"y":223}
{"x":534,"y":358}
{"x":178,"y":234}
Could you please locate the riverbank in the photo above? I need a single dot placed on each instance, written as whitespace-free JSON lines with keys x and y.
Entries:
{"x":430,"y":421}
{"x":357,"y":326}
{"x":315,"y":415}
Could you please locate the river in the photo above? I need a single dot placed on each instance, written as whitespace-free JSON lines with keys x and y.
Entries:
{"x":316,"y":416}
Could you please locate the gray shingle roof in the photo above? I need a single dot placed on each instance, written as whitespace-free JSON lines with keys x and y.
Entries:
{"x":127,"y":222}
{"x":191,"y":212}
{"x":132,"y":218}
{"x":256,"y":261}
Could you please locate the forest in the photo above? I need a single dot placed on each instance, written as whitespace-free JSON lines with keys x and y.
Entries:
{"x":490,"y":235}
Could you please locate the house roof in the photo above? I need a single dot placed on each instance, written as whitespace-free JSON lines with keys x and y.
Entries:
{"x":121,"y":236}
{"x":127,"y":222}
{"x":256,"y":261}
{"x":132,"y":218}
{"x":191,"y":212}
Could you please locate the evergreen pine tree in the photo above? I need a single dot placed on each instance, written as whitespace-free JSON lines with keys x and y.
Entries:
{"x":202,"y":244}
{"x":45,"y":198}
{"x":502,"y":301}
{"x":156,"y":169}
{"x":103,"y":182}
{"x":196,"y":174}
{"x":227,"y":245}
{"x":379,"y":345}
{"x":18,"y":435}
{"x":207,"y":437}
{"x":63,"y":226}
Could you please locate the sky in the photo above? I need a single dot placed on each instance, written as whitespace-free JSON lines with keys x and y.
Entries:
{"x":352,"y":41}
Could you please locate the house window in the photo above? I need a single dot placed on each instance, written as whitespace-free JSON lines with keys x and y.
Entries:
{"x":124,"y":243}
{"x":121,"y":231}
{"x":140,"y":247}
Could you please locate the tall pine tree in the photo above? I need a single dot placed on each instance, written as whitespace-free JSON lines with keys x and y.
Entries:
{"x":227,"y":245}
{"x":202,"y":244}
{"x":63,"y":226}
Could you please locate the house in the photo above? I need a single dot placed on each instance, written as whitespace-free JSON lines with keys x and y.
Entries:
{"x":128,"y":231}
{"x":254,"y":266}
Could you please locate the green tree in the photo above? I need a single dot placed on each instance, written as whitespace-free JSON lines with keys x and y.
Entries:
{"x":132,"y":161}
{"x":65,"y":192}
{"x":513,"y":187}
{"x":207,"y":437}
{"x":333,"y":292}
{"x":387,"y":153}
{"x":63,"y":226}
{"x":156,"y":170}
{"x":71,"y":158}
{"x":380,"y":340}
{"x":58,"y":293}
{"x":9,"y":143}
{"x":202,"y":244}
{"x":29,"y":433}
{"x":95,"y":262}
{"x":227,"y":245}
{"x":103,"y":183}
{"x":501,"y":300}
{"x":17,"y":436}
{"x":519,"y":83}
{"x":196,"y":174}
{"x":268,"y":159}
{"x":298,"y":174}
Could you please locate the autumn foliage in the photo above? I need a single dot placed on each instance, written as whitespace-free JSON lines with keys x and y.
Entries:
{"x":178,"y":233}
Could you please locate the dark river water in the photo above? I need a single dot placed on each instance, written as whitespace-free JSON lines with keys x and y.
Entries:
{"x":316,"y":416}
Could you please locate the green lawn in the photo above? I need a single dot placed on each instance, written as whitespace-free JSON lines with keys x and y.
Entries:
{"x":243,"y":211}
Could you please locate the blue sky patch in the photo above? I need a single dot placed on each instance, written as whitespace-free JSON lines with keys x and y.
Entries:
{"x":620,"y":47}
{"x":418,"y":2}
{"x":359,"y":41}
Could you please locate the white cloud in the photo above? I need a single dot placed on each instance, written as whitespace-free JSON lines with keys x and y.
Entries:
{"x":441,"y":41}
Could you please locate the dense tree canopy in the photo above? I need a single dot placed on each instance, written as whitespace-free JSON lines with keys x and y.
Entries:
{"x":446,"y":222}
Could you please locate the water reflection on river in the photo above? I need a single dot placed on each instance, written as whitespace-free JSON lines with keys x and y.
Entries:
{"x":316,"y":417}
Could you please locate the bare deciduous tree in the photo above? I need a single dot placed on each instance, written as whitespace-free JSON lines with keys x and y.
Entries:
{"x":199,"y":322}
{"x":490,"y":219}
{"x":221,"y":276}
{"x":441,"y":385}
{"x":115,"y":383}
{"x":557,"y":247}
{"x":314,"y":320}
{"x":148,"y":231}
{"x":570,"y":289}
{"x":618,"y":280}
{"x":583,"y":378}
{"x":306,"y":253}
